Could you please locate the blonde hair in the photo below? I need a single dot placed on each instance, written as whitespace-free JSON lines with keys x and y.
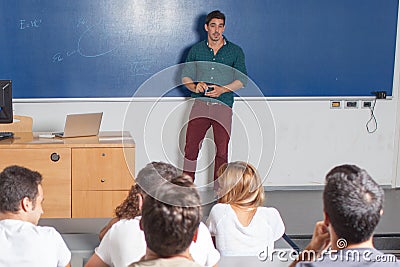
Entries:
{"x":240,"y":184}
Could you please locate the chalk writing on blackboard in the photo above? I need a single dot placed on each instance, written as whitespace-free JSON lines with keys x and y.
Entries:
{"x":142,"y":67}
{"x":25,"y":24}
{"x":80,"y":49}
{"x":98,"y":54}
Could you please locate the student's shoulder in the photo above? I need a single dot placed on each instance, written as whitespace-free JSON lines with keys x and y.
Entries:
{"x":219,"y":207}
{"x":269,"y":212}
{"x":49,"y":236}
{"x":46,"y":230}
{"x":354,"y":257}
{"x":202,"y":227}
{"x":162,"y":262}
{"x":20,"y":226}
{"x":218,"y":210}
{"x":127,"y":222}
{"x":126,"y":225}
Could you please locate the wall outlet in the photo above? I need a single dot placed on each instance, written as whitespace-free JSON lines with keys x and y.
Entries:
{"x":351,"y":104}
{"x":366,"y":104}
{"x":336,"y":104}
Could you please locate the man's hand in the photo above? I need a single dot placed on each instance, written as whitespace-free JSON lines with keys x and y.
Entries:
{"x":319,"y":242}
{"x":320,"y":239}
{"x":218,"y":90}
{"x":201,"y":87}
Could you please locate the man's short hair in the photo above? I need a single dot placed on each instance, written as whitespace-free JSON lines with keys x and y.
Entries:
{"x":216,"y":14}
{"x":169,"y":229}
{"x":154,"y":174}
{"x":16,"y":183}
{"x":353,"y":201}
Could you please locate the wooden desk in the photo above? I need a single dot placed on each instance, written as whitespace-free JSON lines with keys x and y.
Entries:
{"x":85,"y":177}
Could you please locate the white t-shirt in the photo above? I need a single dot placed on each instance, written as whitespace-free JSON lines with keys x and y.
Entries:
{"x":170,"y":262}
{"x":234,"y":239}
{"x":203,"y":251}
{"x":25,"y":244}
{"x":124,"y":243}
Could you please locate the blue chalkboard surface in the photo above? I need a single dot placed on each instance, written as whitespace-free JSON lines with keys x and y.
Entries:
{"x":108,"y":48}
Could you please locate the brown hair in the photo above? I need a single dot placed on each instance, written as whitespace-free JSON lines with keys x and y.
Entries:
{"x":147,"y":180}
{"x":240,"y":184}
{"x":169,"y":228}
{"x":129,"y":209}
{"x":216,"y":14}
{"x":16,"y":183}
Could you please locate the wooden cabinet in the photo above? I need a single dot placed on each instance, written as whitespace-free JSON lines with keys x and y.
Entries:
{"x":101,"y":169}
{"x":56,"y":175}
{"x":96,"y":204}
{"x":101,"y":180}
{"x":83,"y":177}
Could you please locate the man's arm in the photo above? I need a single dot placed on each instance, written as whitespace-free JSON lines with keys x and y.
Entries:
{"x":199,"y":87}
{"x":219,"y":90}
{"x":319,"y":242}
{"x":95,"y":261}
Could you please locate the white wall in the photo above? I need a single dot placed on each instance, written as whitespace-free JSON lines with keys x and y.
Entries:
{"x":292,"y":142}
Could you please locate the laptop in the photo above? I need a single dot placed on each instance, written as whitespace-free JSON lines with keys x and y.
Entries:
{"x":78,"y":125}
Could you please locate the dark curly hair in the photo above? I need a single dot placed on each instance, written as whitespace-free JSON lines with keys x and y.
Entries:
{"x":147,"y":180}
{"x":129,"y":209}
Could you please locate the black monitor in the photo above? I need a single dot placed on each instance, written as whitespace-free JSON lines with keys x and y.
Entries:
{"x":6,"y":110}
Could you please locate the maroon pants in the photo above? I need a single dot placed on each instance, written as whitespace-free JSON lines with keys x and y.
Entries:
{"x":203,"y":116}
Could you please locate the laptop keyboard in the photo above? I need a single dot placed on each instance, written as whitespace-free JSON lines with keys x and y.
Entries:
{"x":6,"y":135}
{"x":58,"y":134}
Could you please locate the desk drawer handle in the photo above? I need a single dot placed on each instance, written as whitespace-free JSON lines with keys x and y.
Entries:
{"x":102,"y":180}
{"x":54,"y":157}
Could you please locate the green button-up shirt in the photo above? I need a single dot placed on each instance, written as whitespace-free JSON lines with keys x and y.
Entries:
{"x":220,"y":69}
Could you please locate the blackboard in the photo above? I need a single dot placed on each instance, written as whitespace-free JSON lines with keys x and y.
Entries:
{"x":108,"y":48}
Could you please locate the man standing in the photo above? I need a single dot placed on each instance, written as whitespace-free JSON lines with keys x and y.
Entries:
{"x":214,"y":68}
{"x":22,"y":242}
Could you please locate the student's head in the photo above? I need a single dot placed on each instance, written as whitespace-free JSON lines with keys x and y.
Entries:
{"x":240,"y":184}
{"x":21,"y":193}
{"x":353,"y":203}
{"x":169,"y":229}
{"x":148,"y":178}
{"x":216,"y":14}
